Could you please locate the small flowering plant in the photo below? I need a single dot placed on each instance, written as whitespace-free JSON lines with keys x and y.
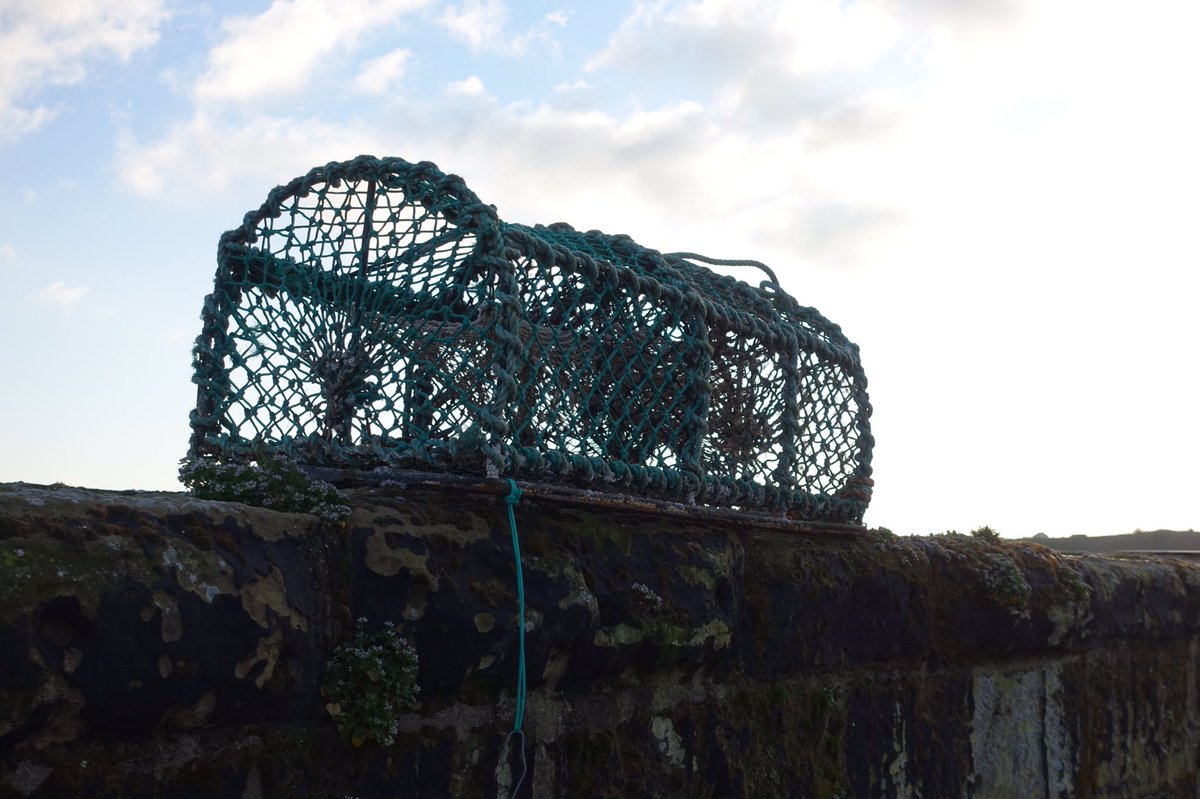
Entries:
{"x":646,"y":597}
{"x":268,"y":480}
{"x":368,"y":681}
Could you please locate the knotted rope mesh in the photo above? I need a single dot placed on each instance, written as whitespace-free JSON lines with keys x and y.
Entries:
{"x":376,"y":314}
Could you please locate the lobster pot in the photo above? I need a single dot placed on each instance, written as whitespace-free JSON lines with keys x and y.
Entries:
{"x":375,"y":313}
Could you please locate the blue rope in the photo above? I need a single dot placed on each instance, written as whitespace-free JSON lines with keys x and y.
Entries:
{"x":514,"y":496}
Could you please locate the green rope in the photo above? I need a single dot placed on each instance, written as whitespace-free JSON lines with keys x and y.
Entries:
{"x":693,"y":256}
{"x":514,"y":496}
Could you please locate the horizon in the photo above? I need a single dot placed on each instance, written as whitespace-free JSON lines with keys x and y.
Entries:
{"x":989,"y":203}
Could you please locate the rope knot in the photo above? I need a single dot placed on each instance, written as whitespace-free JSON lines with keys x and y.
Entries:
{"x":514,"y":495}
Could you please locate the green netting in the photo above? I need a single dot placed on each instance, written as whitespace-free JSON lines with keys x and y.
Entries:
{"x":375,"y":314}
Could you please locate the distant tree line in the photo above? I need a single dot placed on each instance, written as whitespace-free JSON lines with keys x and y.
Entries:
{"x":1154,"y":540}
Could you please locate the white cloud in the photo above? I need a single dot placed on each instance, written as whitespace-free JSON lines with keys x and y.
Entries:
{"x":208,"y":155}
{"x":854,"y":131}
{"x":964,"y":19}
{"x":278,"y":52}
{"x":60,"y":294}
{"x":273,"y":55}
{"x":380,"y":75}
{"x":673,"y":168}
{"x":8,"y":253}
{"x":16,"y":123}
{"x":812,"y":71}
{"x":477,"y":23}
{"x":845,"y":168}
{"x":482,"y":26}
{"x":54,"y":44}
{"x":467,"y":87}
{"x":573,"y":86}
{"x":718,"y":40}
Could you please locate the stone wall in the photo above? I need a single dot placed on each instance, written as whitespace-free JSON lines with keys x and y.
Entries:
{"x":157,"y":645}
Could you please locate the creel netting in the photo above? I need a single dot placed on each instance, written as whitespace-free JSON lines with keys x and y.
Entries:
{"x":375,"y":312}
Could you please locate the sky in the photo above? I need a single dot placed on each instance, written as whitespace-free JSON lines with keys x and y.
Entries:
{"x":995,"y":199}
